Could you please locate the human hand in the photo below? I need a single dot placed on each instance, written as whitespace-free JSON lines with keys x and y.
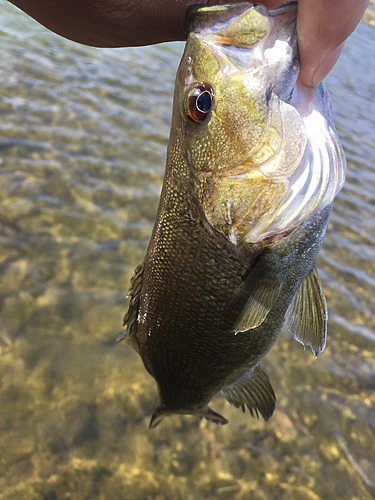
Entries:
{"x":323,"y":25}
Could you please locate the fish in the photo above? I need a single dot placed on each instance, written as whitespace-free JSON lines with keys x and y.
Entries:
{"x":254,"y":163}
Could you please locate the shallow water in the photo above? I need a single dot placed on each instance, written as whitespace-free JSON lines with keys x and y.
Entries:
{"x":83,"y":134}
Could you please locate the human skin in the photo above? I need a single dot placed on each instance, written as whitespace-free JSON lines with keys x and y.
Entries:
{"x":323,"y":25}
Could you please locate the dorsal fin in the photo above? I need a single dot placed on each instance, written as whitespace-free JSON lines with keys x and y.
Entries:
{"x":130,"y":318}
{"x":307,"y":315}
{"x":253,"y":390}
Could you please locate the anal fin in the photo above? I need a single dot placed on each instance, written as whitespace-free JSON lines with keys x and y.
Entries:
{"x":253,"y":390}
{"x":307,"y":315}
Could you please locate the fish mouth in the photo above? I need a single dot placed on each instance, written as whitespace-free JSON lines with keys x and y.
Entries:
{"x":248,"y":36}
{"x":205,"y":17}
{"x":297,"y":174}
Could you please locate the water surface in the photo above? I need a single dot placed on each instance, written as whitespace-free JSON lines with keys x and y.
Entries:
{"x":83,"y":134}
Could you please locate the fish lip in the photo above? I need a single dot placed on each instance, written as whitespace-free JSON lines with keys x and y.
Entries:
{"x":234,"y":9}
{"x":229,"y":11}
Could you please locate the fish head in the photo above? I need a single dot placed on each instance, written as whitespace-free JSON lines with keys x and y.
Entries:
{"x":242,"y":133}
{"x":236,"y":57}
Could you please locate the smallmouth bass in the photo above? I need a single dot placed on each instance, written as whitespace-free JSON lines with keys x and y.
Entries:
{"x":253,"y":166}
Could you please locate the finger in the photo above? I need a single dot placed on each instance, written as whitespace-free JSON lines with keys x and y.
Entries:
{"x":323,"y":26}
{"x":114,"y":23}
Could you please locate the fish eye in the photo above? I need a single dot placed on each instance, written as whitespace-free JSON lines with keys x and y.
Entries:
{"x":198,"y":102}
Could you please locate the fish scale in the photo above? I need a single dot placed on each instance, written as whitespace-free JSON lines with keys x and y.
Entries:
{"x":237,"y":233}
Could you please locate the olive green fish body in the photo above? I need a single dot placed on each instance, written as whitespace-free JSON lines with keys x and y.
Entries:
{"x":192,"y":295}
{"x":253,"y":165}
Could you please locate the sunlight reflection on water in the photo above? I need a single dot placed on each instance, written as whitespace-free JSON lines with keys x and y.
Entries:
{"x":82,"y":154}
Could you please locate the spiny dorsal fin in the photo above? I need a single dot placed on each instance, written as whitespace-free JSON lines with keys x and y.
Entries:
{"x":307,"y":315}
{"x":253,"y":390}
{"x":130,"y":318}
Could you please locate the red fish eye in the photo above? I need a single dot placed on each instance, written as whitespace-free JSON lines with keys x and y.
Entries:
{"x":198,"y":102}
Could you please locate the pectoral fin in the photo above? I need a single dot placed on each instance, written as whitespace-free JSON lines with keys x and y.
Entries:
{"x":254,"y":298}
{"x":258,"y":305}
{"x":307,"y":315}
{"x":253,"y":390}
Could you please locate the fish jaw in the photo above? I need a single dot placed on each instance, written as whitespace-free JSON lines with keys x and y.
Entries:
{"x":250,"y":37}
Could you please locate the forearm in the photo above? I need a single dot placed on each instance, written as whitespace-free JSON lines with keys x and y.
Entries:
{"x":111,"y":23}
{"x":323,"y":25}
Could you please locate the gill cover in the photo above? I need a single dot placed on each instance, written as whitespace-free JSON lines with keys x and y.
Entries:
{"x":265,"y":156}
